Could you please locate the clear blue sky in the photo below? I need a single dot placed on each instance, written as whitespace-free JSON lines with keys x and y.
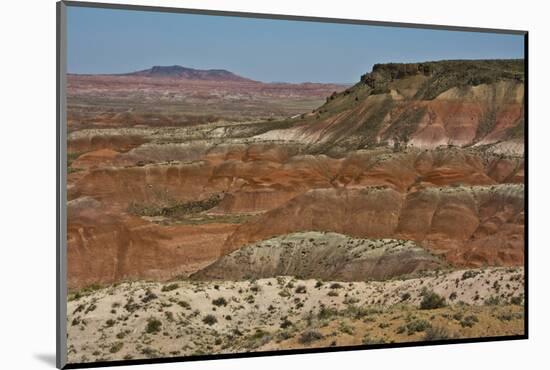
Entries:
{"x":118,"y":41}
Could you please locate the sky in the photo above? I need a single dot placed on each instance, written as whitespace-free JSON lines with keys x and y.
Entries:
{"x":119,"y":41}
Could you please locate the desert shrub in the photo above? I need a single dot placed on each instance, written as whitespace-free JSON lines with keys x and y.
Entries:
{"x":469,"y":274}
{"x":345,"y":328}
{"x":517,"y":300}
{"x":492,"y":301}
{"x":286,"y":323}
{"x":116,"y":347}
{"x":469,"y":321}
{"x":453,"y":296}
{"x":121,"y":335}
{"x":336,"y":286}
{"x":255,"y":288}
{"x":300,"y":289}
{"x":332,"y":293}
{"x":436,"y":333}
{"x":170,"y":287}
{"x":369,"y":340}
{"x":90,"y":308}
{"x":405,"y":296}
{"x":283,"y":336}
{"x":219,"y":302}
{"x":431,"y":300}
{"x":284,"y":293}
{"x":318,"y":284}
{"x":131,"y":306}
{"x":184,"y":304}
{"x":417,"y":326}
{"x":210,"y":319}
{"x":458,"y":316}
{"x":153,"y":326}
{"x":149,"y":296}
{"x":310,"y":336}
{"x":325,"y":313}
{"x":109,"y":323}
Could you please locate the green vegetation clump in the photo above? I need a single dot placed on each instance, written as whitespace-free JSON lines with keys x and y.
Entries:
{"x":469,"y":321}
{"x":149,"y":296}
{"x":492,"y":301}
{"x":210,"y":319}
{"x":310,"y":336}
{"x":153,"y":326}
{"x":469,"y":274}
{"x":170,"y":287}
{"x":517,"y":300}
{"x":417,"y":326}
{"x":431,"y":300}
{"x":300,"y":289}
{"x":219,"y":302}
{"x":177,"y":209}
{"x":436,"y":333}
{"x":116,"y":347}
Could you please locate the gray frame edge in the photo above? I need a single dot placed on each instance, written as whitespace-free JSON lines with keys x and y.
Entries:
{"x":61,"y":189}
{"x":288,"y":17}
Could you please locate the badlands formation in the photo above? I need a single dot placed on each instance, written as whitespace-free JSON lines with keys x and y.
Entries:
{"x":388,"y":211}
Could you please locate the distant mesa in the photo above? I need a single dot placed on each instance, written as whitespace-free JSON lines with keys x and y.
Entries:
{"x":180,"y":72}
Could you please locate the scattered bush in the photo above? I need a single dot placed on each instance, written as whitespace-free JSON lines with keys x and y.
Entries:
{"x":116,"y":347}
{"x":345,"y":328}
{"x":417,"y":326}
{"x":149,"y":296}
{"x":369,"y":340}
{"x":310,"y":336}
{"x":169,"y":287}
{"x":300,"y":289}
{"x":431,"y":300}
{"x":325,"y":313}
{"x":436,"y":333}
{"x":153,"y":326}
{"x":286,"y":323}
{"x":469,"y":274}
{"x":219,"y":302}
{"x":492,"y":301}
{"x":184,"y":304}
{"x":210,"y":319}
{"x":469,"y":321}
{"x":405,"y":296}
{"x":517,"y":300}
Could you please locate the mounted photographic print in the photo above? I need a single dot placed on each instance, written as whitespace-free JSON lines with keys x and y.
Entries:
{"x":235,"y":184}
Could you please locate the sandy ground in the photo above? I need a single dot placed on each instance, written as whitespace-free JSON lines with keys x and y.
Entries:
{"x":182,"y":318}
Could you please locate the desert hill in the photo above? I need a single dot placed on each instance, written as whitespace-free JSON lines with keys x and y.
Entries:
{"x":320,"y":255}
{"x":178,"y":71}
{"x":458,"y":102}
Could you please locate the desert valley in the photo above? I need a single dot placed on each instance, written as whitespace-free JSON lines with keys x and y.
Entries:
{"x":210,"y":213}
